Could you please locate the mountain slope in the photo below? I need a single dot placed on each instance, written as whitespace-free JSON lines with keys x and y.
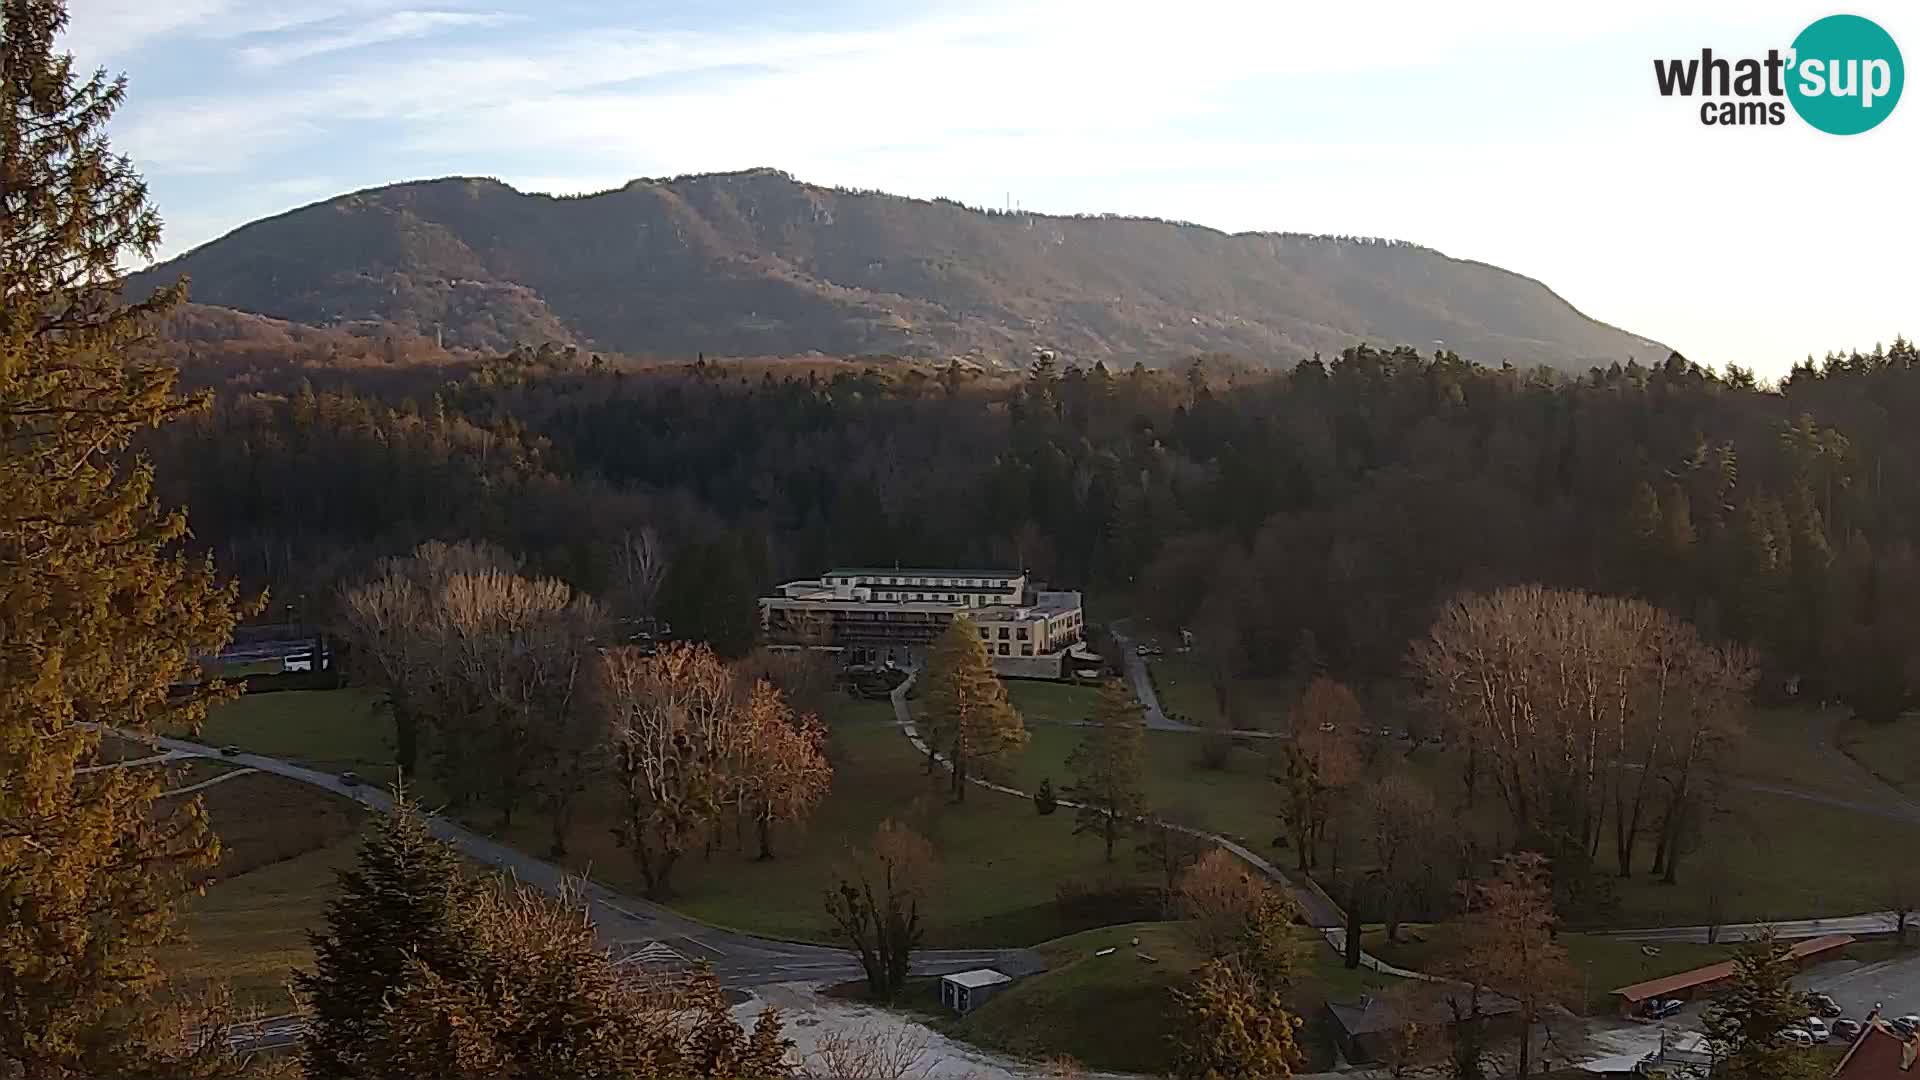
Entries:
{"x":757,"y":263}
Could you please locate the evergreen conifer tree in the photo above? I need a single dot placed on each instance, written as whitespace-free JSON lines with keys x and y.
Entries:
{"x":100,"y":613}
{"x":1743,"y":1026}
{"x":401,"y":916}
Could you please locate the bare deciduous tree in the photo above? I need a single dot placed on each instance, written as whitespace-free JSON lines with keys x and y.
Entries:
{"x":1587,"y":706}
{"x":639,"y":565}
{"x":673,"y":727}
{"x":876,"y":1051}
{"x":1401,"y":824}
{"x":875,"y":904}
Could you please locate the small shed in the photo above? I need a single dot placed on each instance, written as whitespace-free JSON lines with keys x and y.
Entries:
{"x":968,"y":990}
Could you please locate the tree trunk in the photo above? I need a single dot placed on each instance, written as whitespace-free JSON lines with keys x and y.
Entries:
{"x":959,"y":778}
{"x":562,"y":819}
{"x":765,"y":825}
{"x":1526,"y":1044}
{"x":1111,"y":829}
{"x":1352,"y":953}
{"x":406,"y":740}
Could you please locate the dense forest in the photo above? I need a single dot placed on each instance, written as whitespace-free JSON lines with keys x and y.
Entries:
{"x":1314,"y":517}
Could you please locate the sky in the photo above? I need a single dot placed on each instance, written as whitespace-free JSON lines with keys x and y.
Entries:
{"x":1523,"y":133}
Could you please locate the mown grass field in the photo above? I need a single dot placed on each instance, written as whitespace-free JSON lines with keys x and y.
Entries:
{"x":331,"y":730}
{"x":1186,"y":693}
{"x":280,"y":841}
{"x":1889,"y":750}
{"x":250,"y":931}
{"x":1117,"y":1012}
{"x":1004,"y":864}
{"x":1001,"y":863}
{"x":1600,"y":964}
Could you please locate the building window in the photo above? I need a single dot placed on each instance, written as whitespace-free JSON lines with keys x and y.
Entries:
{"x":1003,"y":634}
{"x":1024,"y":633}
{"x":983,"y":631}
{"x":1026,"y":650}
{"x":1003,"y":649}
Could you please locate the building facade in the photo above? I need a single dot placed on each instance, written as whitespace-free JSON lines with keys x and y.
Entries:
{"x":891,"y":616}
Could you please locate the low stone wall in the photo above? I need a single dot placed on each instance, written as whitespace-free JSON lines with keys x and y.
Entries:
{"x":1029,"y":667}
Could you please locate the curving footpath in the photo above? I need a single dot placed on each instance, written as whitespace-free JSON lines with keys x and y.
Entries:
{"x":634,"y":928}
{"x":1316,"y":908}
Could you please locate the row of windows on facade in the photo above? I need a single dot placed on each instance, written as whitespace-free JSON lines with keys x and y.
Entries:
{"x":1025,"y":650}
{"x":970,"y":601}
{"x":927,"y":581}
{"x":987,"y":632}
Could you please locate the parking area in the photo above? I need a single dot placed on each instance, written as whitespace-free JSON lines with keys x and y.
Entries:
{"x":1893,"y":985}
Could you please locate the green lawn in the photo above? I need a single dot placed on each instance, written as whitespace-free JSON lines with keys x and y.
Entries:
{"x":1780,"y":857}
{"x":1117,"y":1011}
{"x":1238,"y":800}
{"x":331,"y":730}
{"x":251,"y":930}
{"x":1186,"y":693}
{"x":1106,"y":1012}
{"x":1781,"y":746}
{"x":1001,"y":862}
{"x":1890,"y":750}
{"x":280,"y":842}
{"x":1051,"y":702}
{"x":1600,"y":964}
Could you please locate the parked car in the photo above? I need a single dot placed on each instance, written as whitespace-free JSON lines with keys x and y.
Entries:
{"x":1794,"y":1036}
{"x":229,"y":750}
{"x":1906,"y":1025}
{"x":1142,"y":650}
{"x":1661,"y":1008}
{"x":1846,"y":1029}
{"x":1823,"y":1005}
{"x":1327,"y":725}
{"x":1817,"y":1028}
{"x":349,"y":779}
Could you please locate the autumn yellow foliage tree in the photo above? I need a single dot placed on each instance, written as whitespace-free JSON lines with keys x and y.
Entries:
{"x":969,"y":720}
{"x":1233,"y":1025}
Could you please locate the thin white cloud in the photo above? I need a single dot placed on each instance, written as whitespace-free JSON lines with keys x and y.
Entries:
{"x":100,"y":32}
{"x":396,"y":26}
{"x":1235,"y":113}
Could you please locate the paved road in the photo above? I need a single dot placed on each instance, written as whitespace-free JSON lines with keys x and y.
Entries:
{"x":653,"y":935}
{"x":1892,"y":986}
{"x":1136,"y":666}
{"x":1880,"y":922}
{"x":1142,"y":682}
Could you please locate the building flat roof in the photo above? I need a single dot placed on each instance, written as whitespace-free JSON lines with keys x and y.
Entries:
{"x":1713,"y":973}
{"x":915,"y":571}
{"x":1374,"y":1015}
{"x":978,"y":977}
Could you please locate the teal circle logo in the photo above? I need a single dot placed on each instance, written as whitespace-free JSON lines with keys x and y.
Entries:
{"x":1847,"y":74}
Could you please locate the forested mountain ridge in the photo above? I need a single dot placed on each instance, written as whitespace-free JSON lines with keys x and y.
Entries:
{"x":756,"y":263}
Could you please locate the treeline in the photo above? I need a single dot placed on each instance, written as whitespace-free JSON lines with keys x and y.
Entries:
{"x":1316,"y":517}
